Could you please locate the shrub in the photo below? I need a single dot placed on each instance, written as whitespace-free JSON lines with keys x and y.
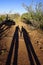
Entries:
{"x":41,"y":26}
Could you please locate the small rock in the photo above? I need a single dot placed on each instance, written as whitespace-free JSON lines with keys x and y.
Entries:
{"x":3,"y":52}
{"x":37,"y":41}
{"x":40,"y":47}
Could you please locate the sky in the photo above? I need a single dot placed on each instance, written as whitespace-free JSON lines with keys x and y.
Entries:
{"x":15,"y":6}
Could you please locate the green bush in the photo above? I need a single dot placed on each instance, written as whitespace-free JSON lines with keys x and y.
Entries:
{"x":2,"y":17}
{"x":41,"y":26}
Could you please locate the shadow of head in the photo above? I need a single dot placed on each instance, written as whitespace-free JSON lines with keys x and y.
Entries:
{"x":9,"y":22}
{"x":17,"y":29}
{"x":25,"y":34}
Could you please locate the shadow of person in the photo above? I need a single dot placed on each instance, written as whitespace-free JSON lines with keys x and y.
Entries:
{"x":5,"y":25}
{"x":30,"y":49}
{"x":7,"y":22}
{"x":14,"y":42}
{"x":16,"y":48}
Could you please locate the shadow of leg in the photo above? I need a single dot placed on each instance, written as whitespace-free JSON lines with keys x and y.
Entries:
{"x":16,"y":50}
{"x":30,"y":47}
{"x":11,"y":48}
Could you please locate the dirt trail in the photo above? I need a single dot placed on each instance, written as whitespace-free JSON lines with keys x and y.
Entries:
{"x":21,"y":49}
